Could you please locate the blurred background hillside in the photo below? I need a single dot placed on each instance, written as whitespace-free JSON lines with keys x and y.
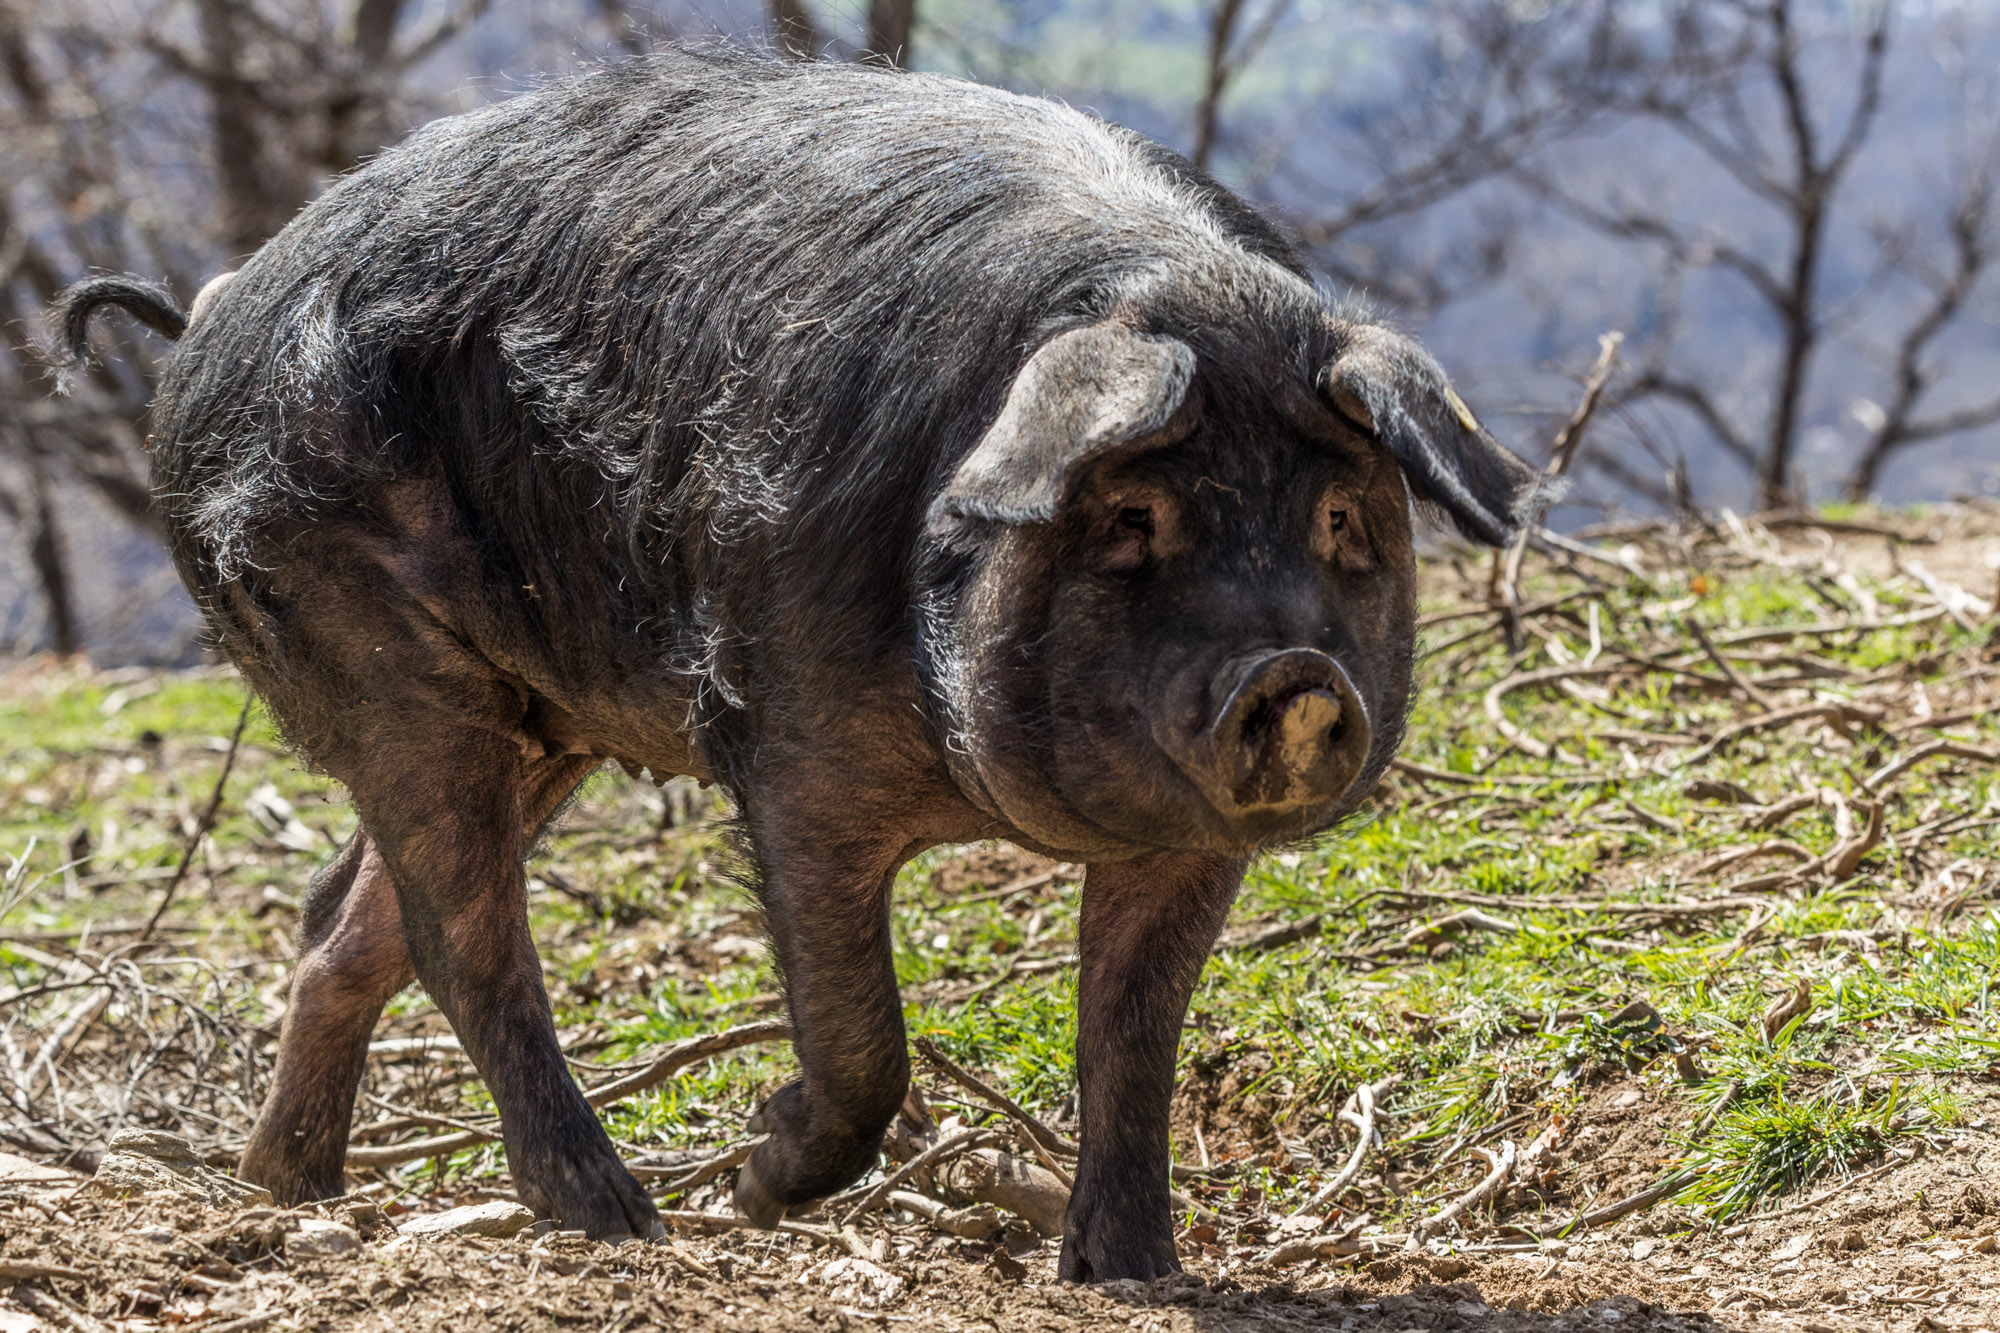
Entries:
{"x":1787,"y":206}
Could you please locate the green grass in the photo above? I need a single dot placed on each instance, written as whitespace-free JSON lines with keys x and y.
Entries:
{"x":1487,"y":1028}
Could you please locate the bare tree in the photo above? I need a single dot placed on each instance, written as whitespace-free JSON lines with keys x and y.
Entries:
{"x":1735,"y":83}
{"x":288,"y":96}
{"x":1227,"y":57}
{"x":1482,"y":92}
{"x":1917,"y":370}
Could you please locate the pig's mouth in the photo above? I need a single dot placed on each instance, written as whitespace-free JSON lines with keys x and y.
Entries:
{"x":1289,"y":738}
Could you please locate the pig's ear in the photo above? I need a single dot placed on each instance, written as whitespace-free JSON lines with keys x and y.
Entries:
{"x":1084,"y":395}
{"x":1390,"y":387}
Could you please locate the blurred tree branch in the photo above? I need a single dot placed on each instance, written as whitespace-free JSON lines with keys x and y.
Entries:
{"x":1793,"y":162}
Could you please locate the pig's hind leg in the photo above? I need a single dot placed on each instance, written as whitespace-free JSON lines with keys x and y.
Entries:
{"x":351,"y":960}
{"x":826,"y":900}
{"x":454,"y":812}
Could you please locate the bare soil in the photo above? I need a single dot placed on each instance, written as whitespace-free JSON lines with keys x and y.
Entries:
{"x":1909,"y":1246}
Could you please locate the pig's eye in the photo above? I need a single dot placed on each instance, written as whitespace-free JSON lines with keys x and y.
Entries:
{"x":1340,"y":540}
{"x":1125,"y":542}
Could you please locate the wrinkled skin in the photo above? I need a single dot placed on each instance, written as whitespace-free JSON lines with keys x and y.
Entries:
{"x":997,"y":477}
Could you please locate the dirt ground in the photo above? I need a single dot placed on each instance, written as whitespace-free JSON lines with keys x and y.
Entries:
{"x":1909,"y":1245}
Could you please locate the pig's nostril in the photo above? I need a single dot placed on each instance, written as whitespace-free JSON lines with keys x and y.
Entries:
{"x":1304,"y":724}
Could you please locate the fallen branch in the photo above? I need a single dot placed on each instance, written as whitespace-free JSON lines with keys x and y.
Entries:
{"x":1426,"y":934}
{"x":1744,"y":685}
{"x":1508,"y":566}
{"x":1820,"y":629}
{"x":979,"y":1222}
{"x":1546,"y":675}
{"x":27,"y":1270}
{"x":1739,"y":855}
{"x":1359,"y":1112}
{"x":698,"y":1174}
{"x":936,"y":1155}
{"x":1644,"y":1199}
{"x":1427,"y":774}
{"x":734,"y":1222}
{"x":1955,"y":749}
{"x":1039,"y":1133}
{"x":1500,"y":1166}
{"x":1846,"y":856}
{"x":670,"y":1062}
{"x":1342,"y":1244}
{"x":1896,"y":1159}
{"x":1308,"y":1248}
{"x":1018,"y":1184}
{"x":1849,"y":713}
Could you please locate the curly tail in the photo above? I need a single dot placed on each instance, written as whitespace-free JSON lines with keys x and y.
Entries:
{"x":69,"y":317}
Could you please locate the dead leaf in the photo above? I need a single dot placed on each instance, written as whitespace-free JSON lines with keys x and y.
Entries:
{"x":1786,"y":1008}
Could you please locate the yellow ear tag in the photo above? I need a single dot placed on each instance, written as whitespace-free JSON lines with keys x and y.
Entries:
{"x":1465,"y":417}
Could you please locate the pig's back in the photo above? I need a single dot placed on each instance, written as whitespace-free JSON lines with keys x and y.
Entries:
{"x":692,"y":319}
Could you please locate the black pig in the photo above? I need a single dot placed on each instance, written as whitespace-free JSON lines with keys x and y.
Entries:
{"x":921,"y":462}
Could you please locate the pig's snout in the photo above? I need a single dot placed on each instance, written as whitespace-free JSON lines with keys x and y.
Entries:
{"x":1290,"y":734}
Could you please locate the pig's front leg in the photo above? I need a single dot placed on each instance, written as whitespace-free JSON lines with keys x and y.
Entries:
{"x":826,"y":900}
{"x":1147,"y":928}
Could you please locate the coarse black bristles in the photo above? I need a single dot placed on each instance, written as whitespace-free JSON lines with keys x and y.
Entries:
{"x":701,"y":314}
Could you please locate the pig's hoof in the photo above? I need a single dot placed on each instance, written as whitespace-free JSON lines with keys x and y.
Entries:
{"x":595,"y":1195}
{"x":753,"y":1200}
{"x":1093,"y":1253}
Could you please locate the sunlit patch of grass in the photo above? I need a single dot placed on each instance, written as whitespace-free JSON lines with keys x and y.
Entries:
{"x":1782,"y":1142}
{"x":1027,"y":1036}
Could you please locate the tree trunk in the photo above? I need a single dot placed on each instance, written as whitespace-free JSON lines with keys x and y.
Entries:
{"x":250,"y":209}
{"x":1776,"y":485}
{"x":798,"y":35}
{"x":49,"y":557}
{"x":889,"y":25}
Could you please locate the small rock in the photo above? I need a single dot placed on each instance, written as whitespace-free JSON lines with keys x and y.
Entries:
{"x":1642,"y":1248}
{"x":363,"y":1216}
{"x":146,"y":1161}
{"x":1792,"y":1248}
{"x":319,"y":1239}
{"x":1630,"y":1097}
{"x":858,"y":1282}
{"x":16,"y":1170}
{"x":500,"y":1219}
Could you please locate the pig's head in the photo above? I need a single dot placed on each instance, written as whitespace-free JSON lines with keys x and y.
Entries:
{"x":1188,"y":616}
